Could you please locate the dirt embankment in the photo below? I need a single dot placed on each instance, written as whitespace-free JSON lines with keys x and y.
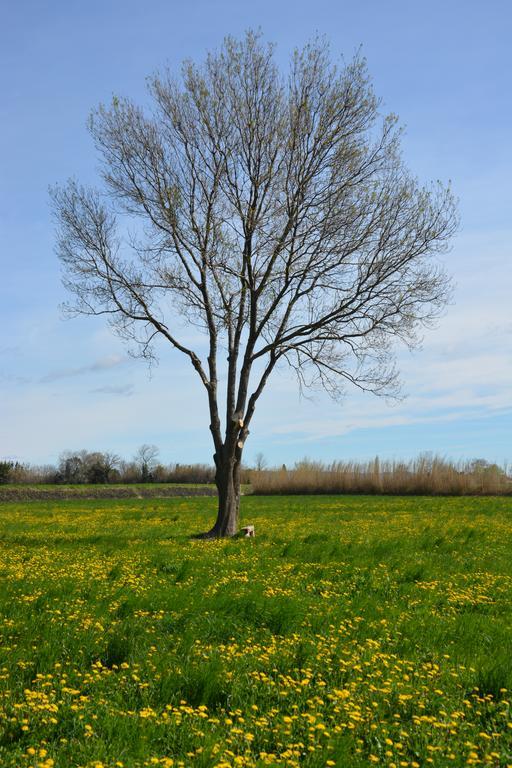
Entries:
{"x":29,"y":493}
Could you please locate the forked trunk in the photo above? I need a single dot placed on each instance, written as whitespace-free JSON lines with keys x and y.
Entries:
{"x":227,"y":480}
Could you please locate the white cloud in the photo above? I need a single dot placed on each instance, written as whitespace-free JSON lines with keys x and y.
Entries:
{"x":112,"y":389}
{"x":105,"y":364}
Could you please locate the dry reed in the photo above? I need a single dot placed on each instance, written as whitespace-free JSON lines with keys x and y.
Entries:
{"x":425,"y":475}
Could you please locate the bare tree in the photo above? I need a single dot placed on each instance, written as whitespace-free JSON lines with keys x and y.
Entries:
{"x":110,"y":463}
{"x":146,"y":460}
{"x":276,"y":215}
{"x":260,"y":462}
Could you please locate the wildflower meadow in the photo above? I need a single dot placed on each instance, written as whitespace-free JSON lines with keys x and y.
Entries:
{"x":351,"y":631}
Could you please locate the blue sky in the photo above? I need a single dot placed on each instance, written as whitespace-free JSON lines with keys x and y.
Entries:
{"x":443,"y":67}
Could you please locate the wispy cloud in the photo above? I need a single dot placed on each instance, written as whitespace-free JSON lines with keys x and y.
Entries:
{"x":105,"y":364}
{"x":10,"y":378}
{"x":124,"y":390}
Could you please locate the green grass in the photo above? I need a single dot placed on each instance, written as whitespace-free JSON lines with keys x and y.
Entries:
{"x":351,"y":631}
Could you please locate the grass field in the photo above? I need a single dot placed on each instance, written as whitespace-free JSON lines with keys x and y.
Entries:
{"x":352,"y":631}
{"x":54,"y":492}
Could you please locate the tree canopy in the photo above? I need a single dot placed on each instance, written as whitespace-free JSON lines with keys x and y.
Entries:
{"x":275,"y":214}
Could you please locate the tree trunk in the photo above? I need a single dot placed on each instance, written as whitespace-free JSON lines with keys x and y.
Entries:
{"x":227,"y":480}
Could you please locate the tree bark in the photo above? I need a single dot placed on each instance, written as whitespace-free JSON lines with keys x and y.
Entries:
{"x":227,"y":480}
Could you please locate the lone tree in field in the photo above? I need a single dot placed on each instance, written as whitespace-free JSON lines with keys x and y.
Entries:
{"x":276,"y":215}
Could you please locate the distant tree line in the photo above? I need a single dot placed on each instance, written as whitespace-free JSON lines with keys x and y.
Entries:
{"x":102,"y":467}
{"x":426,"y":475}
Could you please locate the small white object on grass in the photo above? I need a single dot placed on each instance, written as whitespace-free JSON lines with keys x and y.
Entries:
{"x":248,"y":530}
